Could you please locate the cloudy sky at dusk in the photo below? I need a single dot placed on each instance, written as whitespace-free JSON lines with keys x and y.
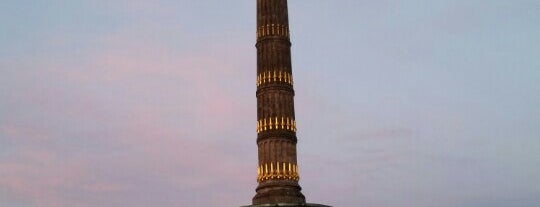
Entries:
{"x":415,"y":103}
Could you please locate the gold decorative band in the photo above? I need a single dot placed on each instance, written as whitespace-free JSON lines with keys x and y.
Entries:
{"x":276,"y":123}
{"x":284,"y":171}
{"x":274,"y":76}
{"x":273,"y":30}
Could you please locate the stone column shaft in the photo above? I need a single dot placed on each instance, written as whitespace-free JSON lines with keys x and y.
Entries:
{"x":278,"y":171}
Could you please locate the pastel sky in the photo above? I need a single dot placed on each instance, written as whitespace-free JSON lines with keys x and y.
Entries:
{"x":417,"y":103}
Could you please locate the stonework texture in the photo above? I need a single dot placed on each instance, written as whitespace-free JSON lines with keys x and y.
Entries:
{"x":278,"y":170}
{"x":275,"y":102}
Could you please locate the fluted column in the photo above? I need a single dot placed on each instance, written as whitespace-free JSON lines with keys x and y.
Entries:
{"x":278,"y":170}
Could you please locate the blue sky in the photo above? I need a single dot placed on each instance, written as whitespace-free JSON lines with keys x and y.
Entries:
{"x":152,"y":103}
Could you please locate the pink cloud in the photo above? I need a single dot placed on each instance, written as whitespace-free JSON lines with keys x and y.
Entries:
{"x":130,"y":114}
{"x":40,"y":176}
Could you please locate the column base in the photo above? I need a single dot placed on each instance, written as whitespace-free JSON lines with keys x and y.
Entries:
{"x":278,"y":191}
{"x":288,"y":205}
